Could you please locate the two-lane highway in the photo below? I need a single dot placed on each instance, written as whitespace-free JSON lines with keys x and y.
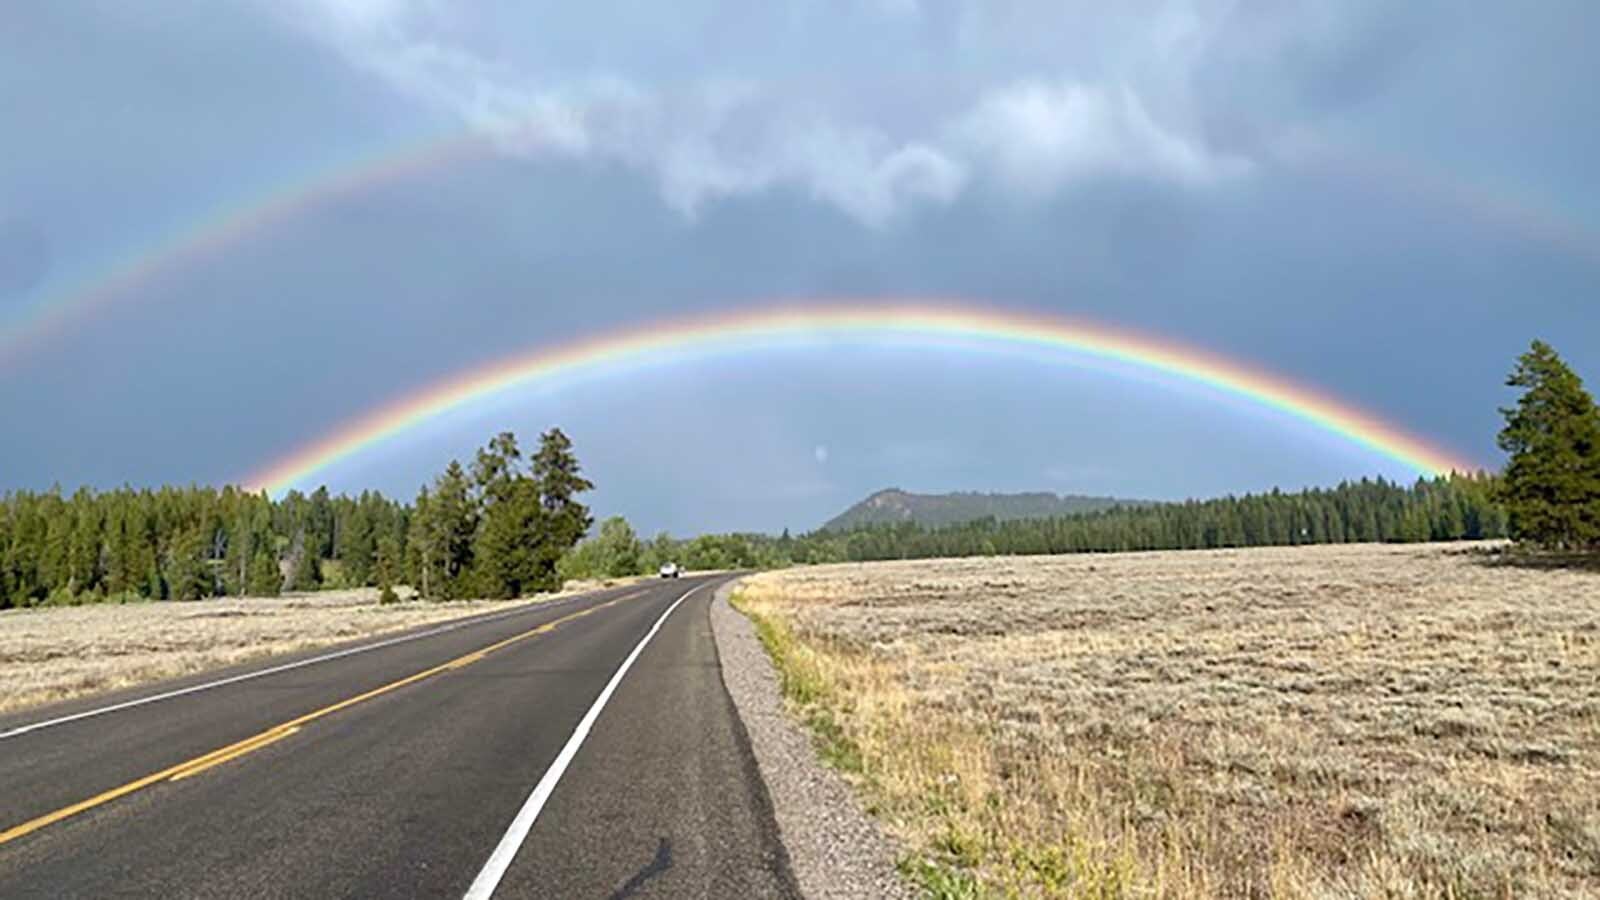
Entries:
{"x":584,"y":748}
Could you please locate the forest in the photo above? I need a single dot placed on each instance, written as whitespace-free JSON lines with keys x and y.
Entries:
{"x":485,"y":533}
{"x":495,"y":529}
{"x":1457,"y":507}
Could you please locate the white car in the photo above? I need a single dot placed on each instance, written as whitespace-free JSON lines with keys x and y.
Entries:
{"x":669,"y":570}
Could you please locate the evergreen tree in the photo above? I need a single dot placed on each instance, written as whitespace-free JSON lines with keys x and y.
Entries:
{"x":509,"y":552}
{"x":506,"y":553}
{"x":497,"y":468}
{"x":453,"y":515}
{"x":1551,"y":486}
{"x":388,"y":567}
{"x":425,"y":547}
{"x":357,"y":543}
{"x":563,"y":520}
{"x":187,"y":574}
{"x":265,"y":578}
{"x":320,"y":524}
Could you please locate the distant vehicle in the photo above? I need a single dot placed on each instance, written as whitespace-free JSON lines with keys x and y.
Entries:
{"x":669,"y":570}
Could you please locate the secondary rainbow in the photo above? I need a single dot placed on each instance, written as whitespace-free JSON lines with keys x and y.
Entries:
{"x":247,"y":213}
{"x":230,"y":223}
{"x":925,"y":322}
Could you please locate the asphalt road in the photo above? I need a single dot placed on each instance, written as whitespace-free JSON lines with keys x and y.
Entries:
{"x":398,"y":772}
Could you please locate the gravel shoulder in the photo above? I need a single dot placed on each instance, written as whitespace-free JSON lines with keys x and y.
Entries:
{"x":835,"y":849}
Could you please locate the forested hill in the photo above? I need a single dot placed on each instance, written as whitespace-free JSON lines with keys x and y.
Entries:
{"x":1442,"y":509}
{"x":894,"y":506}
{"x":1459,"y":507}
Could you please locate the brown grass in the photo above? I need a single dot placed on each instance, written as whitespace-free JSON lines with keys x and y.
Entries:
{"x":1356,"y":721}
{"x":50,"y":654}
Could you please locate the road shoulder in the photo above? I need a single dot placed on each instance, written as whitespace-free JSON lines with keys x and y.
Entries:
{"x":835,"y":849}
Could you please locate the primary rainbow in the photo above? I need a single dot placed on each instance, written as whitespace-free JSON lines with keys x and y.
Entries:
{"x":939,"y":324}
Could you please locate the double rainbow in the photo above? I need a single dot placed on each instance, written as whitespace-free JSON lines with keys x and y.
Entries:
{"x":926,"y":323}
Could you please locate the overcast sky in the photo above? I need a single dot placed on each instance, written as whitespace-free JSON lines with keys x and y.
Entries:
{"x":1384,"y":200}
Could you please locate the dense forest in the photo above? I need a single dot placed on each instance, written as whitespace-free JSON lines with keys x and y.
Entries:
{"x":495,"y":530}
{"x":1448,"y":508}
{"x":498,"y":530}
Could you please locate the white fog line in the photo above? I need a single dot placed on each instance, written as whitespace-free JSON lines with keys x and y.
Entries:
{"x":261,"y":673}
{"x":489,"y":876}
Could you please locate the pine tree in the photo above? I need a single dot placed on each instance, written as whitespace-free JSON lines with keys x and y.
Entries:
{"x":357,"y":543}
{"x":506,"y":553}
{"x":509,"y":551}
{"x":187,"y":574}
{"x":453,"y":517}
{"x":497,"y":468}
{"x":265,"y":578}
{"x":563,"y":520}
{"x":1551,"y":487}
{"x":387,"y":566}
{"x":423,"y":555}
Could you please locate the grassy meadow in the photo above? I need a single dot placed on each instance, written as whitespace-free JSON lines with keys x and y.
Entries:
{"x":1329,"y":721}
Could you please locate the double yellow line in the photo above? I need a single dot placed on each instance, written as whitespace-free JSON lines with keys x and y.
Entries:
{"x":278,"y":732}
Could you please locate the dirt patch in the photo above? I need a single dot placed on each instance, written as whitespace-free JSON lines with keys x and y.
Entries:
{"x":1395,"y":721}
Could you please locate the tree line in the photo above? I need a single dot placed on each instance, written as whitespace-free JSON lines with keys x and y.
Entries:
{"x":505,"y":526}
{"x":1443,"y":509}
{"x":497,"y":531}
{"x":1456,"y":507}
{"x":1546,"y":499}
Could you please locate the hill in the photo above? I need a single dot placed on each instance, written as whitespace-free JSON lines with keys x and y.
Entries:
{"x":934,"y":510}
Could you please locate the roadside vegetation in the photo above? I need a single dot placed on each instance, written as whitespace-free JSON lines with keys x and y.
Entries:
{"x":1369,"y":720}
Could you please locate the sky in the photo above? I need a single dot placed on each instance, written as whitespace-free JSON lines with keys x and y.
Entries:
{"x":1385,"y":202}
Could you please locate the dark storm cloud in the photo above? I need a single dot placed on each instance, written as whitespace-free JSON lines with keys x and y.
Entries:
{"x":1340,"y":192}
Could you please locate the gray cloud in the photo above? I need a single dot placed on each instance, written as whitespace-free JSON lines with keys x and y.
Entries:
{"x":704,"y":134}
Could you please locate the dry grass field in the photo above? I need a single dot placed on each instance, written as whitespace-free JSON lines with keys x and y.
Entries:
{"x":49,"y":654}
{"x":1346,"y":721}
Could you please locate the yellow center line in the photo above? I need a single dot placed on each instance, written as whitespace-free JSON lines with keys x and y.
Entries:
{"x":278,"y":732}
{"x":248,"y":746}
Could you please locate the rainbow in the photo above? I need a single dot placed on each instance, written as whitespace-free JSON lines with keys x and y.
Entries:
{"x":249,"y":213}
{"x":923,"y":323}
{"x":225,"y":226}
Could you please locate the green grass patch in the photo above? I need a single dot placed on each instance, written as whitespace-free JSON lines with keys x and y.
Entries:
{"x":940,"y":881}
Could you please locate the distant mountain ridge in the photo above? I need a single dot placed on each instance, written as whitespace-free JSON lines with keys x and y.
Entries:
{"x":933,"y":510}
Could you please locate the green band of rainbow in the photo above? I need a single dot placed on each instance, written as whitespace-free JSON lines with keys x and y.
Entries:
{"x":690,"y":338}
